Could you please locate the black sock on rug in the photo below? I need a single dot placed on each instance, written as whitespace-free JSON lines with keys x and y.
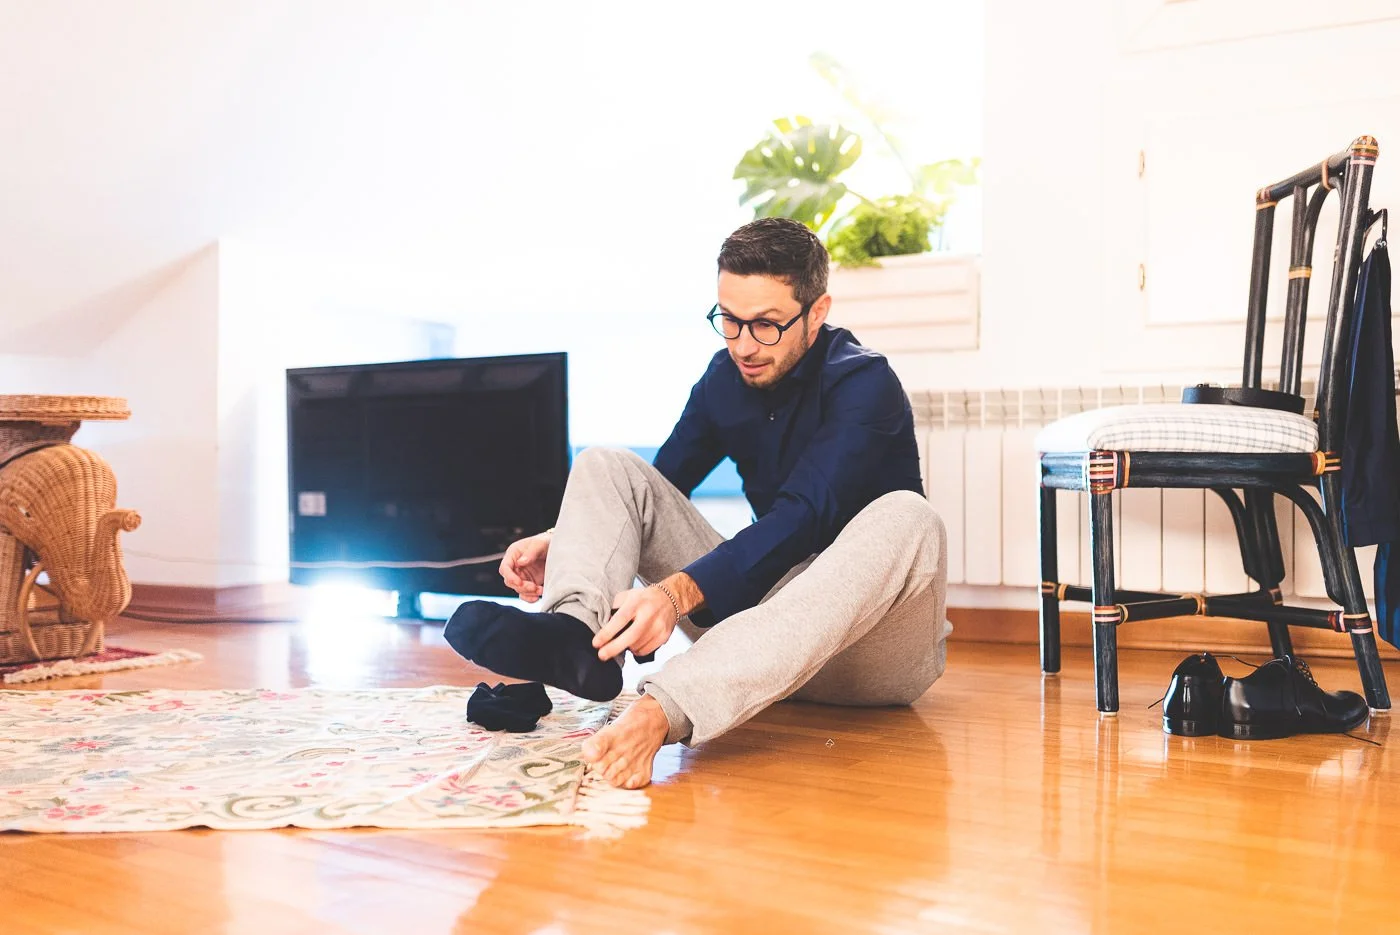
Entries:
{"x":514,"y":708}
{"x":555,"y":649}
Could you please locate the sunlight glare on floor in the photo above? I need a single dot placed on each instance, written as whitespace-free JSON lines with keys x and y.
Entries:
{"x":345,"y":631}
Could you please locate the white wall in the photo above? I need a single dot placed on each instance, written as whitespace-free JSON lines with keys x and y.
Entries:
{"x":275,"y":314}
{"x":547,"y":177}
{"x":156,"y":346}
{"x":565,"y":165}
{"x":200,"y":353}
{"x":195,"y":196}
{"x":1222,"y":97}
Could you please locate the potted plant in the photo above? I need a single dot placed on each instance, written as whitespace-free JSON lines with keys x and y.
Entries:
{"x":887,"y":280}
{"x":794,"y":172}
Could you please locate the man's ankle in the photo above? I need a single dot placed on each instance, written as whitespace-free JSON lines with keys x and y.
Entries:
{"x":578,"y":612}
{"x":679,"y":727}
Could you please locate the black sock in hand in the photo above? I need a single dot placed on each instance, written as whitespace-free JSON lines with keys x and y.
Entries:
{"x":649,"y":657}
{"x":555,"y":649}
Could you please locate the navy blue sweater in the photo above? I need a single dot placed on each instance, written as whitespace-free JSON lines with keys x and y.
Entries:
{"x":831,"y":436}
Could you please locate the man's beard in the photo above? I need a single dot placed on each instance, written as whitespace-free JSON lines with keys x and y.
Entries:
{"x":777,"y":370}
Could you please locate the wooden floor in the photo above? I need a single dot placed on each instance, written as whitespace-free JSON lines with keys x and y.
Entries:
{"x":1001,"y":802}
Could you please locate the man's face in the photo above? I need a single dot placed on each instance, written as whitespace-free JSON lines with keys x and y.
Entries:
{"x":753,"y":298}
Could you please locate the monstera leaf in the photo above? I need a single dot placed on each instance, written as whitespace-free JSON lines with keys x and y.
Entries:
{"x":877,"y":117}
{"x":843,"y":82}
{"x":792,"y":172}
{"x":939,"y":178}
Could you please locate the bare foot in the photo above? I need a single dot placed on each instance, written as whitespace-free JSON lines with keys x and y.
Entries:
{"x":622,"y":753}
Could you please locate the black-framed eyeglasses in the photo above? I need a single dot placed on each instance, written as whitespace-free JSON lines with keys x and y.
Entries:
{"x":764,"y":331}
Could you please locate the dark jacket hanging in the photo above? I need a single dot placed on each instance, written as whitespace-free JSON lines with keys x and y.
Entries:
{"x":1371,"y":453}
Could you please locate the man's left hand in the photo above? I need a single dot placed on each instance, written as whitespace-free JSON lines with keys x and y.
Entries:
{"x":651,"y":615}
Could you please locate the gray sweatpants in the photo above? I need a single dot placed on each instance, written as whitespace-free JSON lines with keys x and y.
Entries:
{"x":862,"y":623}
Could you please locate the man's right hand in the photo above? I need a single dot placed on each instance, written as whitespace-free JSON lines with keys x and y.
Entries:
{"x":523,"y":567}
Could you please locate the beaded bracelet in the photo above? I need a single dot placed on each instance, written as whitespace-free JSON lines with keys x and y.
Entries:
{"x":675,"y":604}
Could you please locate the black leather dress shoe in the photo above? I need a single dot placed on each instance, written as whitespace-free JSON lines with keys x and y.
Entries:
{"x":1281,"y":698}
{"x":1192,"y":705}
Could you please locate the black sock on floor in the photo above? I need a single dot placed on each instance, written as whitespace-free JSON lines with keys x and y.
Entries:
{"x":515,"y":708}
{"x":555,"y":649}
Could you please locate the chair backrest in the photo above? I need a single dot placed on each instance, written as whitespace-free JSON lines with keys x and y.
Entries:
{"x":1349,"y":173}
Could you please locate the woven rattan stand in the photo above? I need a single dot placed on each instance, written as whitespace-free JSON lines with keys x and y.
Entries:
{"x":57,"y":516}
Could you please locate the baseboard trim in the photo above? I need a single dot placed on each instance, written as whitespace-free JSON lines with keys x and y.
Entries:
{"x":1178,"y":634}
{"x":184,"y":599}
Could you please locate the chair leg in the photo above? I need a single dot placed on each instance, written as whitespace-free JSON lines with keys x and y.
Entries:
{"x":1363,"y":637}
{"x":1259,"y":505}
{"x":1280,"y":639}
{"x":1363,"y":641}
{"x":1268,"y":558}
{"x":1049,"y":587}
{"x":1246,"y":534}
{"x":1106,"y":617}
{"x":1368,"y":662}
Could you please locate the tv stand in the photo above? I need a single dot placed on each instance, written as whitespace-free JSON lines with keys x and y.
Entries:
{"x":410,"y":605}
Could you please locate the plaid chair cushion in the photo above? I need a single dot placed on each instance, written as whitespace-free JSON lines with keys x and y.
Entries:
{"x":1181,"y":427}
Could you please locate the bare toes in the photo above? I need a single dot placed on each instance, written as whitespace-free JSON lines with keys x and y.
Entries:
{"x":597,"y":747}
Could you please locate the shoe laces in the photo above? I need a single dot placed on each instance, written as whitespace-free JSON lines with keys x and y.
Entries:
{"x":1303,"y":669}
{"x":1374,"y":743}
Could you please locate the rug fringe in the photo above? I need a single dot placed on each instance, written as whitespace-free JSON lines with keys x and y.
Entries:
{"x":66,"y":667}
{"x":608,"y":811}
{"x":601,"y":808}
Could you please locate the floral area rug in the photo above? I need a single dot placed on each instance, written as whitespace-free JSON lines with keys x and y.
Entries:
{"x":312,"y":758}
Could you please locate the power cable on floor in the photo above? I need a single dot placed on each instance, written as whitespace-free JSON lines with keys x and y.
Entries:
{"x":148,"y":617}
{"x":181,"y":618}
{"x":348,"y":566}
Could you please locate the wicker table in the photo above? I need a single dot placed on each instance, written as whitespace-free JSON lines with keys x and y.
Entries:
{"x":29,"y":424}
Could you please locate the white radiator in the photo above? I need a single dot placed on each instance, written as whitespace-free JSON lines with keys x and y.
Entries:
{"x":980,"y":467}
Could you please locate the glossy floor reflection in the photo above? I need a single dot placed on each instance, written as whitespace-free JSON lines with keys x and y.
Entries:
{"x":1000,"y":802}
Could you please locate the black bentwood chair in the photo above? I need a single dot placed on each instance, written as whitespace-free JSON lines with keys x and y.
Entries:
{"x":1249,"y":439}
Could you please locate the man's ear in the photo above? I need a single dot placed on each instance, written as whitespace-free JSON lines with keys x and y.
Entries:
{"x":817,"y":316}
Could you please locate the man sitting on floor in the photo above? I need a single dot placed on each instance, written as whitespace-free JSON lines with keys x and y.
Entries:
{"x":834,"y":594}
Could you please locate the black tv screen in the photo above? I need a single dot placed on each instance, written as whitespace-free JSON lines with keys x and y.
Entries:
{"x":425,"y":461}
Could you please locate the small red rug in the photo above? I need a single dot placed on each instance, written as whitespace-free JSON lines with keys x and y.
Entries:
{"x":110,"y":659}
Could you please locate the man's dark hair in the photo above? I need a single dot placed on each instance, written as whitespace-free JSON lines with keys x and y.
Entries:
{"x":781,"y":248}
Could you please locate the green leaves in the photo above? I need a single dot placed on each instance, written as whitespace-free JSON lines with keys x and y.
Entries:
{"x":839,"y":77}
{"x":792,"y":172}
{"x":893,"y":226}
{"x":878,"y":118}
{"x":939,"y":178}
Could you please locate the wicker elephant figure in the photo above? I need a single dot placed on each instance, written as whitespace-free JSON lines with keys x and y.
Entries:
{"x":59,"y":502}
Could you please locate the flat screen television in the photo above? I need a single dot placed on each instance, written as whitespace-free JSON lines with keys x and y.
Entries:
{"x":423,"y":461}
